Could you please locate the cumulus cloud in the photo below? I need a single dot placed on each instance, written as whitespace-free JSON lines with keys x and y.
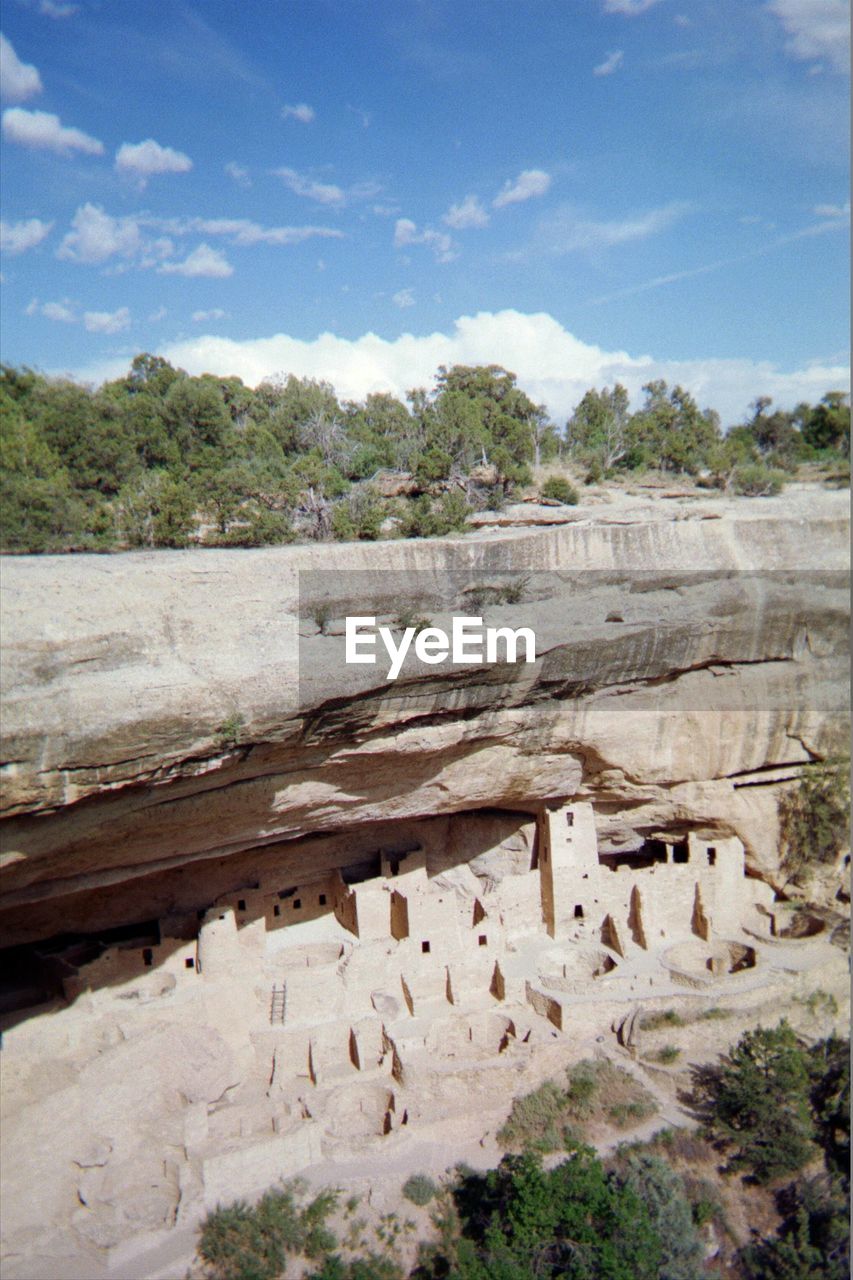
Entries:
{"x":406,"y":233}
{"x":18,"y":80}
{"x":17,"y":237}
{"x":97,"y":236}
{"x":239,"y":173}
{"x":631,"y":8}
{"x":203,"y":261}
{"x":45,"y":132}
{"x":107,"y":321}
{"x":298,"y":111}
{"x":611,"y":63}
{"x":469,"y":213}
{"x":565,"y":231}
{"x":553,"y":366}
{"x":203,"y":317}
{"x":141,"y":160}
{"x":56,"y":311}
{"x":158,"y":315}
{"x":403,"y":298}
{"x":816,"y":30}
{"x":93,"y":321}
{"x":529,"y":183}
{"x":301,"y":185}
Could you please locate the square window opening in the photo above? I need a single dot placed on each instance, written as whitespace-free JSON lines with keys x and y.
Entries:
{"x":148,"y":957}
{"x":425,"y":947}
{"x":297,"y":903}
{"x":322,"y":899}
{"x":241,"y":904}
{"x":578,"y":911}
{"x":189,"y":963}
{"x":482,"y":941}
{"x":712,"y":855}
{"x":276,"y":910}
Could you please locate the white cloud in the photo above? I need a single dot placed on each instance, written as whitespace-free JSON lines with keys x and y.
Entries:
{"x":403,"y":298}
{"x":141,"y":160}
{"x":242,"y":231}
{"x":202,"y":317}
{"x":18,"y":80}
{"x":203,"y":261}
{"x":51,"y":9}
{"x":298,"y":111}
{"x":17,"y":237}
{"x":529,"y":183}
{"x":158,"y":315}
{"x":832,"y":210}
{"x":300,"y":185}
{"x":681,"y":20}
{"x":406,"y":233}
{"x":45,"y":132}
{"x":611,"y":63}
{"x":107,"y":321}
{"x":564,"y":231}
{"x":816,"y":29}
{"x":97,"y":236}
{"x":631,"y":8}
{"x":239,"y":173}
{"x":553,"y":366}
{"x":470,"y":213}
{"x":58,"y":311}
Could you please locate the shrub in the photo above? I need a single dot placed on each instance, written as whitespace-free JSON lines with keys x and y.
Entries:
{"x":322,"y":616}
{"x":242,"y":1242}
{"x":814,"y":817}
{"x":420,"y":1189}
{"x":559,"y":489}
{"x":661,"y":1018}
{"x":755,"y":480}
{"x":230,"y":730}
{"x":535,"y":1121}
{"x":668,"y":1054}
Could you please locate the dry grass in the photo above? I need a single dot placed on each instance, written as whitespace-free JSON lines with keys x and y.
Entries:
{"x":598,"y":1095}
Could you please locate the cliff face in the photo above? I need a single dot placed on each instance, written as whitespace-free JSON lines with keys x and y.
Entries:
{"x":168,"y":709}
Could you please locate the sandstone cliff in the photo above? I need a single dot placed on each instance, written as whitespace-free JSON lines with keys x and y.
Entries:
{"x":177,"y":708}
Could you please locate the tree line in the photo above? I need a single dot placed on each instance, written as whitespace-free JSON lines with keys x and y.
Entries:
{"x":160,"y":458}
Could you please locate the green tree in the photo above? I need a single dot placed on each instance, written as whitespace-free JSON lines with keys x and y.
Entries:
{"x":39,"y":509}
{"x":828,"y":425}
{"x":575,"y":1222}
{"x":662,"y":1191}
{"x":757,"y":1102}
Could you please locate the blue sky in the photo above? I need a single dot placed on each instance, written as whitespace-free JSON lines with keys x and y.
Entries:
{"x":359,"y":190}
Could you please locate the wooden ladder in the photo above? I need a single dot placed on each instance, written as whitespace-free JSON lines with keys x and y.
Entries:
{"x":277,"y":1005}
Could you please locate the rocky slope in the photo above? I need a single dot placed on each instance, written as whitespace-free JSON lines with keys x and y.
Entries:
{"x":170,"y":709}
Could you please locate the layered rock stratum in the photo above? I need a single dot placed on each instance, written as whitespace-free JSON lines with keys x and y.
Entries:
{"x":164,"y":710}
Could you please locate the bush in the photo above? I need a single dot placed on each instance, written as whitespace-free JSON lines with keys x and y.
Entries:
{"x":242,"y":1242}
{"x":661,"y":1018}
{"x":668,"y":1054}
{"x":814,"y":817}
{"x":755,"y":480}
{"x":559,"y":489}
{"x":420,"y":1189}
